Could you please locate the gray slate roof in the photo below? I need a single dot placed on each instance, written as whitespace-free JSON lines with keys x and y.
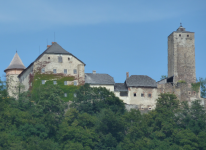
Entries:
{"x":53,"y":49}
{"x":16,"y":63}
{"x":140,"y":81}
{"x":120,"y":87}
{"x":102,"y":79}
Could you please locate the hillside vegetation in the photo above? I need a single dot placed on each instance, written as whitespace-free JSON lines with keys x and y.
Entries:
{"x":97,"y":120}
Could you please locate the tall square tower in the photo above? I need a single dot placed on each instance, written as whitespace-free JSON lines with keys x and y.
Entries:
{"x":181,"y":56}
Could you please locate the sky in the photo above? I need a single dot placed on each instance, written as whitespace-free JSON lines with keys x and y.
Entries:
{"x":112,"y":37}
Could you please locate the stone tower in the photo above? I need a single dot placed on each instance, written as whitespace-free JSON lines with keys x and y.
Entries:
{"x":181,"y":56}
{"x":12,"y":71}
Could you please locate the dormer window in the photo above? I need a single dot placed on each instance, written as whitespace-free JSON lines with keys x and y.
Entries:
{"x":179,"y":35}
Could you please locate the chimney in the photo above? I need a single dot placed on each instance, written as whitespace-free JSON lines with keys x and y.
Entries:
{"x":127,"y":75}
{"x":94,"y":71}
{"x":53,"y":42}
{"x":48,"y":46}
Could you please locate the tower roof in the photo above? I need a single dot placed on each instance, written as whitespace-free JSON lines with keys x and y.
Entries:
{"x":182,"y":29}
{"x":16,"y":63}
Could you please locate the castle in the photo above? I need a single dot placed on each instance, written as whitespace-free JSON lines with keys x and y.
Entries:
{"x":139,"y":90}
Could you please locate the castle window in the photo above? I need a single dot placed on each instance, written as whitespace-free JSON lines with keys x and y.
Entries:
{"x":75,"y":71}
{"x":189,"y":93}
{"x":43,"y":81}
{"x":65,"y":71}
{"x":60,"y":59}
{"x":75,"y":82}
{"x":54,"y":71}
{"x":65,"y":94}
{"x":65,"y":82}
{"x":123,"y":93}
{"x":194,"y":93}
{"x":48,"y":57}
{"x":188,"y":35}
{"x":75,"y":95}
{"x":179,"y":35}
{"x":54,"y":82}
{"x":142,"y":94}
{"x":149,"y":95}
{"x":134,"y":94}
{"x":43,"y":70}
{"x":68,"y":59}
{"x":150,"y":108}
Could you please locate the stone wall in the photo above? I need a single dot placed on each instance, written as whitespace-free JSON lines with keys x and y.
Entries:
{"x":181,"y":57}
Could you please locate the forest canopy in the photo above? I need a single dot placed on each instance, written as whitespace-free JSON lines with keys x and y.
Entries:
{"x":97,"y":120}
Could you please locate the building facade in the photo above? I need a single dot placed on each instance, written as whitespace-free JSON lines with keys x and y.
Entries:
{"x":139,"y":90}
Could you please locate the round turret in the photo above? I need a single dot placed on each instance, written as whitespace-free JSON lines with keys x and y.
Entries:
{"x":16,"y":66}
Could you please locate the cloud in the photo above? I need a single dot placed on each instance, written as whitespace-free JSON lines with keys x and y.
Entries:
{"x":35,"y":15}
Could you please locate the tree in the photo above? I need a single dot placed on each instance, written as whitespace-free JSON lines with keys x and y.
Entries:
{"x":163,"y":77}
{"x":203,"y":87}
{"x":93,"y":100}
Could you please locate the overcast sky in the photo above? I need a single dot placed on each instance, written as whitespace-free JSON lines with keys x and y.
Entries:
{"x":112,"y":37}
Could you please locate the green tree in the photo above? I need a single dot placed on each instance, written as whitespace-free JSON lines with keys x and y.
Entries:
{"x":163,"y":77}
{"x":93,"y":100}
{"x":203,"y":87}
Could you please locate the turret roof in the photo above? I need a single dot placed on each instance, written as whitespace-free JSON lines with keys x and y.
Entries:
{"x":16,"y":63}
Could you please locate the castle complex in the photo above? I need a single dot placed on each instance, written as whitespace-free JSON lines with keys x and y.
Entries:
{"x":139,"y":90}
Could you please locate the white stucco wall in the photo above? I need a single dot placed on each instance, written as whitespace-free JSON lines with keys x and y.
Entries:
{"x":145,"y":101}
{"x":124,"y":98}
{"x":24,"y":78}
{"x":70,"y":65}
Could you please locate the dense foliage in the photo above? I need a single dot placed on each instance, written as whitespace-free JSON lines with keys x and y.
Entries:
{"x":97,"y":120}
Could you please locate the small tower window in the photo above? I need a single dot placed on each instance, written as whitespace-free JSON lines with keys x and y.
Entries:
{"x":48,"y":57}
{"x":42,"y":70}
{"x":142,"y":94}
{"x":149,"y":95}
{"x":54,"y":71}
{"x":189,"y":93}
{"x":135,"y":94}
{"x":68,"y":59}
{"x":60,"y":59}
{"x":194,"y":93}
{"x":179,"y":35}
{"x":43,"y":81}
{"x":188,"y":35}
{"x":65,"y":71}
{"x":75,"y":71}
